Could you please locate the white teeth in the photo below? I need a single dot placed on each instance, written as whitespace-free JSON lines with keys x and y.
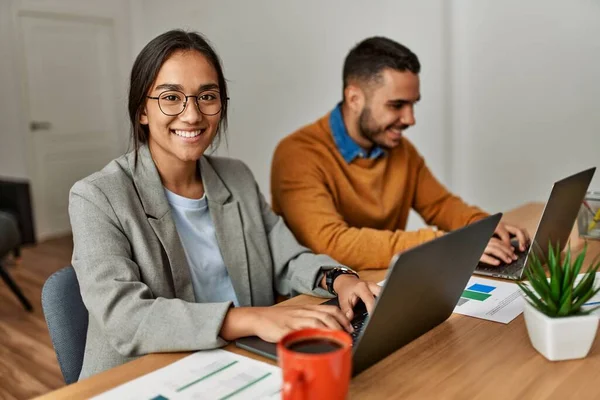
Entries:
{"x":187,"y":134}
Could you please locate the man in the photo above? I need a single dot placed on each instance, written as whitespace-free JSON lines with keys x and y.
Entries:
{"x":345,"y":184}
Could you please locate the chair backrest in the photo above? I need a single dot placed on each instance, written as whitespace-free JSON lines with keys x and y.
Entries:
{"x":67,"y":320}
{"x":9,"y":233}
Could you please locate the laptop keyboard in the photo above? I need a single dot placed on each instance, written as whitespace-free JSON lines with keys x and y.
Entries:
{"x":358,"y":323}
{"x":359,"y":320}
{"x":507,"y":269}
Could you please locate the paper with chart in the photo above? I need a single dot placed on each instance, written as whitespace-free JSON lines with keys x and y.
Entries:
{"x":503,"y":301}
{"x":212,"y":374}
{"x":492,"y":300}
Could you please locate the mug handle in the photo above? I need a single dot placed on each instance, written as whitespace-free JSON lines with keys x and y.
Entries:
{"x":293,"y":388}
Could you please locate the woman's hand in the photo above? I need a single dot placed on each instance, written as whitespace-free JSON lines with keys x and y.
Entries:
{"x":272,"y":323}
{"x":350,"y":289}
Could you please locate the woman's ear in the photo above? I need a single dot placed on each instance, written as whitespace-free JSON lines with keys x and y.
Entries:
{"x":144,"y":117}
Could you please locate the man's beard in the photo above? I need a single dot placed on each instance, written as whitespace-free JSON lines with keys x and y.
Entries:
{"x":369,"y":129}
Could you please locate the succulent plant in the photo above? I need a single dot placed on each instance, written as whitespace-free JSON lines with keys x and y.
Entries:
{"x":559,"y":294}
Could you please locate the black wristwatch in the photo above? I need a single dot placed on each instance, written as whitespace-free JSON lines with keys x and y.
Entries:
{"x":333,"y":273}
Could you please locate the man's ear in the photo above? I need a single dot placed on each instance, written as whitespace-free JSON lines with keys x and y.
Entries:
{"x":354,"y":96}
{"x":144,"y":117}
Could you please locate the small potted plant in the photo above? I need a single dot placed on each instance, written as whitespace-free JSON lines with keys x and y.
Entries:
{"x":557,"y":325}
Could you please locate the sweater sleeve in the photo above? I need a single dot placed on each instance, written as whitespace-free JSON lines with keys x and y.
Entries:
{"x":436,"y":205}
{"x":301,"y":195}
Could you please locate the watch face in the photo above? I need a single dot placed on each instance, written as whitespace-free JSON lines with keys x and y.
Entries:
{"x":339,"y":270}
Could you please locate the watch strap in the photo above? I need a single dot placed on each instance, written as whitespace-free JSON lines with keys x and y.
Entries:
{"x":332,"y":274}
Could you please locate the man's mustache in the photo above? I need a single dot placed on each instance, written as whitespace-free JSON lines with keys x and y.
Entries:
{"x":401,"y":127}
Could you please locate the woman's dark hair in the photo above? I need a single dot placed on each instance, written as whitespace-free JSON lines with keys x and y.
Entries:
{"x":368,"y":58}
{"x":146,"y":67}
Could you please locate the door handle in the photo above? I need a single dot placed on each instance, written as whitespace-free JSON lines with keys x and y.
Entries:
{"x":40,"y":125}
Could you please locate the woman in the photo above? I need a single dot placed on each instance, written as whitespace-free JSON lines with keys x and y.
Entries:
{"x":175,"y":250}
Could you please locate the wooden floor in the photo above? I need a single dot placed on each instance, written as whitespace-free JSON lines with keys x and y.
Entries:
{"x":28,"y":365}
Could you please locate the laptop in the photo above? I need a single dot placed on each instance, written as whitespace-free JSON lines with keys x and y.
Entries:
{"x":421,"y":289}
{"x":555,"y":225}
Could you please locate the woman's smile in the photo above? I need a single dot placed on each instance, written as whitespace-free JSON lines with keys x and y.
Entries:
{"x":188,"y":135}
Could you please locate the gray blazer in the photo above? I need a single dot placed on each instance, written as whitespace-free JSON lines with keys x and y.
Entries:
{"x":132,"y":269}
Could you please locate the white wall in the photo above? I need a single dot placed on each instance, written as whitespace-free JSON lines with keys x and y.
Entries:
{"x":12,"y":143}
{"x":283,"y":60}
{"x":510,"y":89}
{"x":526,"y":90}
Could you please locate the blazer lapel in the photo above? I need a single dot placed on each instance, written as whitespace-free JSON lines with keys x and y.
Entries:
{"x":151,"y":192}
{"x":229,"y":230}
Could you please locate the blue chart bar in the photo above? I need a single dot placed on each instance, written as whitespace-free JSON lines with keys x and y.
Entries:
{"x":477,"y":287}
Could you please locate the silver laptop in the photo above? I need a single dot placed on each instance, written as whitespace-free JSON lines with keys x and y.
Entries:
{"x":555,"y":225}
{"x":422,"y":287}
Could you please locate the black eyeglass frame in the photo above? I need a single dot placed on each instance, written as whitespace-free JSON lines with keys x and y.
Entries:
{"x":185,"y":103}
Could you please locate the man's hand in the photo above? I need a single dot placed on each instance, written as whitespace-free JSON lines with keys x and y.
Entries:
{"x":500,"y":248}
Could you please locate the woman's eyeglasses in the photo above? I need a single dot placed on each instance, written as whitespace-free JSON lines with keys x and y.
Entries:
{"x":173,"y":102}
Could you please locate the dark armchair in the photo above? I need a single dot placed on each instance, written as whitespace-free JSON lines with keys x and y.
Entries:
{"x":16,"y":228}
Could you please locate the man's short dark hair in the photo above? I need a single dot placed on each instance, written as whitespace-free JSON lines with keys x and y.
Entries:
{"x":368,"y":58}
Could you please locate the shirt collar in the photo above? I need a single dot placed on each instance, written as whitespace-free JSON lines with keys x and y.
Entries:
{"x":345,"y":144}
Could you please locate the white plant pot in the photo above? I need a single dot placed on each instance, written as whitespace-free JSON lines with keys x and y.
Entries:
{"x":565,"y":338}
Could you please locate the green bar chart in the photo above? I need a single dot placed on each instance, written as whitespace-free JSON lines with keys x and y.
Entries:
{"x":477,"y":292}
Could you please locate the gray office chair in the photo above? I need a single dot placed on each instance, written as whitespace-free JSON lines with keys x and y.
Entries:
{"x":67,"y":320}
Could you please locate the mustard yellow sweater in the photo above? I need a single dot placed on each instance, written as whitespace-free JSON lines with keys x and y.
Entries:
{"x":357,"y":212}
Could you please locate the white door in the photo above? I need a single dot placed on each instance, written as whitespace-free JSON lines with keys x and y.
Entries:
{"x":70,"y":85}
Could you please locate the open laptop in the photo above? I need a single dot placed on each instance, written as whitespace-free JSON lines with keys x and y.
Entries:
{"x":555,"y":225}
{"x":421,"y":289}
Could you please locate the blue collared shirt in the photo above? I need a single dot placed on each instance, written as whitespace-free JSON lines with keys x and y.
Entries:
{"x":348,"y":147}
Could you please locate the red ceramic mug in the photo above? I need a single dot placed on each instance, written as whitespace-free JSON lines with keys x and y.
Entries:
{"x":316,"y":364}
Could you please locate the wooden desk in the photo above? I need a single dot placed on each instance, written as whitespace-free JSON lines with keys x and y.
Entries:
{"x":463,"y":358}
